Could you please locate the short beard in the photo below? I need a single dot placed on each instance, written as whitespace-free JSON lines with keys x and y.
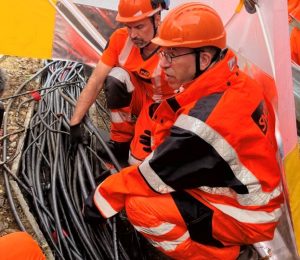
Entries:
{"x":140,"y":44}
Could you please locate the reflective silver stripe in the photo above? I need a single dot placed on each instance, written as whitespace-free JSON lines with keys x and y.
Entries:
{"x":120,"y":117}
{"x":242,"y":198}
{"x":125,"y":51}
{"x":104,"y":205}
{"x":133,"y":161}
{"x":152,"y":178}
{"x":160,"y":230}
{"x":256,"y":196}
{"x":170,"y":245}
{"x":249,"y":216}
{"x":123,"y":76}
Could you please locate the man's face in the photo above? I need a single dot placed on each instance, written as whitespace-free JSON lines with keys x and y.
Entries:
{"x":178,"y":65}
{"x":141,"y":32}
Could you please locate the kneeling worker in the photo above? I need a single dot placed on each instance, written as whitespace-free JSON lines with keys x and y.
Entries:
{"x":212,"y":182}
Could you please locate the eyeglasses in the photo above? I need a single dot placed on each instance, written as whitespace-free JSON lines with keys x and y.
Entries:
{"x":169,"y":57}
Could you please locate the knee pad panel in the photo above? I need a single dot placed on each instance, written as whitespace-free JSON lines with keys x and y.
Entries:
{"x":118,"y":88}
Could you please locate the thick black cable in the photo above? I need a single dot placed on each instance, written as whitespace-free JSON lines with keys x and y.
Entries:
{"x":50,"y":177}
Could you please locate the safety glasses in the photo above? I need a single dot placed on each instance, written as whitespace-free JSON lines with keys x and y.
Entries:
{"x":169,"y":56}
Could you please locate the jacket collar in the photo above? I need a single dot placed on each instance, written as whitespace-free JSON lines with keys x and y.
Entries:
{"x":214,"y":80}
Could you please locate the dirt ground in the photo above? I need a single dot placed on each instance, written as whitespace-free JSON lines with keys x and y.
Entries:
{"x":17,"y":71}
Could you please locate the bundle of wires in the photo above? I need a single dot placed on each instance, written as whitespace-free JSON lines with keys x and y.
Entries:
{"x":57,"y":182}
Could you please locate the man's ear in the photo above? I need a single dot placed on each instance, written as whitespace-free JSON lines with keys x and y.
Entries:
{"x":205,"y":60}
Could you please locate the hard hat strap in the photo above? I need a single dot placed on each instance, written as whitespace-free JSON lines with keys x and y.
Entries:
{"x":217,"y":56}
{"x":152,"y":19}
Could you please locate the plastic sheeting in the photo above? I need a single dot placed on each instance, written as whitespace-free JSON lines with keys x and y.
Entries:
{"x":81,"y":32}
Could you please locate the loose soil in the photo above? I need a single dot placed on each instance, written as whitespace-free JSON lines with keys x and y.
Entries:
{"x":17,"y":71}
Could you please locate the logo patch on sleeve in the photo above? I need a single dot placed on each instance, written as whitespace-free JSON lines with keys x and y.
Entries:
{"x":260,"y":117}
{"x":144,"y":73}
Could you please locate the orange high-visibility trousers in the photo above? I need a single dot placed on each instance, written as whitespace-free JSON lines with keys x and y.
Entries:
{"x":159,"y":220}
{"x":19,"y":246}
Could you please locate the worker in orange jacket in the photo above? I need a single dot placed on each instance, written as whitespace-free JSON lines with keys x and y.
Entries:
{"x":295,"y":45}
{"x":133,"y":79}
{"x":212,"y":182}
{"x":294,"y":20}
{"x":293,"y":5}
{"x":19,"y":246}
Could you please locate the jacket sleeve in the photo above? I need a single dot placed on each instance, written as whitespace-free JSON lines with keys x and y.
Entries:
{"x":111,"y":194}
{"x":191,"y":157}
{"x":112,"y":50}
{"x":187,"y":159}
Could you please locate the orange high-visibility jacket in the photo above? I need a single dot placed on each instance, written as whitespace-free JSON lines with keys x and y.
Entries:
{"x":122,"y":52}
{"x":215,"y":141}
{"x":149,"y":84}
{"x":295,"y":36}
{"x":294,"y":10}
{"x":295,"y":45}
{"x":292,"y":5}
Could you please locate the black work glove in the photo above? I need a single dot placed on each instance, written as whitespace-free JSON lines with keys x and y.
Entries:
{"x":145,"y":139}
{"x":76,"y":137}
{"x":90,"y":212}
{"x":250,"y":6}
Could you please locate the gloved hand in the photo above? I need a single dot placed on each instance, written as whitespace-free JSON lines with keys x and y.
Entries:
{"x":145,"y":139}
{"x":76,"y":136}
{"x":90,"y":212}
{"x":250,"y":6}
